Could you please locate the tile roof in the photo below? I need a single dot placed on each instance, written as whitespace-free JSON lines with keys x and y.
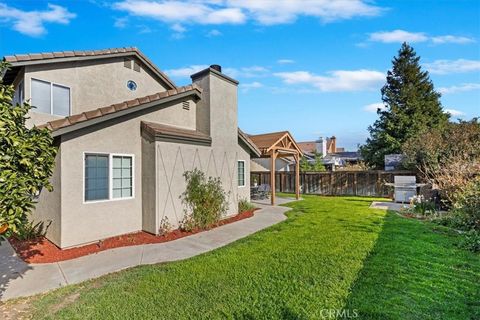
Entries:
{"x":166,"y":131}
{"x":308,"y":146}
{"x":266,"y":140}
{"x":249,"y":142}
{"x":130,"y":104}
{"x":18,"y":59}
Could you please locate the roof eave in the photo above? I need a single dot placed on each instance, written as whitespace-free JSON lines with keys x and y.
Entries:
{"x":121,"y":113}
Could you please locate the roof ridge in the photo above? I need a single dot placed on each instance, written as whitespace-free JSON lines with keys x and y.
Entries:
{"x":47,"y":56}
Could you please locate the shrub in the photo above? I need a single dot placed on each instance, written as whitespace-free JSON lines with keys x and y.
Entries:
{"x":449,"y":158}
{"x":27,"y":158}
{"x":165,"y":226}
{"x":30,"y":230}
{"x":471,"y":241}
{"x":244,"y":205}
{"x":205,"y":200}
{"x":422,"y":206}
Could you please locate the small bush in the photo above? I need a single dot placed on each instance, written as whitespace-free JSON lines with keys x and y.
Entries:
{"x":165,"y":226}
{"x":205,"y":200}
{"x":422,"y":206}
{"x":244,"y":205}
{"x":471,"y":241}
{"x":30,"y":230}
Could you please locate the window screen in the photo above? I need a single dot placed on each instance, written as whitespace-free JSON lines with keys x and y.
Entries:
{"x":61,"y":100}
{"x":241,"y":173}
{"x":41,"y":96}
{"x":96,"y":177}
{"x":122,"y":177}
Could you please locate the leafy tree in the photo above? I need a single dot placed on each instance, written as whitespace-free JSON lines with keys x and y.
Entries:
{"x":26,"y":162}
{"x":449,"y":158}
{"x":411,"y":104}
{"x":304,"y":164}
{"x":316,"y":166}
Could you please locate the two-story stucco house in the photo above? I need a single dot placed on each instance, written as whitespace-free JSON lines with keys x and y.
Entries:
{"x":125,"y":135}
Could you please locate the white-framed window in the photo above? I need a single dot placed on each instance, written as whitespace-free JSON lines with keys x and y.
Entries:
{"x":241,"y":173}
{"x":108,"y":176}
{"x":50,"y":98}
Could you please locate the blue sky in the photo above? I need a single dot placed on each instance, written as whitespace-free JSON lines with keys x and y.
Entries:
{"x":311,"y":67}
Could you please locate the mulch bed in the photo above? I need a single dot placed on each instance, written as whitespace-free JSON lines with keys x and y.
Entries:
{"x":41,"y":250}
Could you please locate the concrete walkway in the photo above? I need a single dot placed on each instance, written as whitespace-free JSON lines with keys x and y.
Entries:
{"x":19,"y":279}
{"x":388,"y":205}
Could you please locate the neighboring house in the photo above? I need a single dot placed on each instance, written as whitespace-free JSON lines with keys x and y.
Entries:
{"x":125,"y":135}
{"x":263,"y":165}
{"x":333,"y":156}
{"x":393,"y":161}
{"x":321,"y":145}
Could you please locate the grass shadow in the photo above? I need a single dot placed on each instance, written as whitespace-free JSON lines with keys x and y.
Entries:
{"x":414,"y":272}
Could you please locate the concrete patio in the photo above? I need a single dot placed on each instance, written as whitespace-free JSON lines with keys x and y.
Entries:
{"x":384,"y":205}
{"x":19,"y":279}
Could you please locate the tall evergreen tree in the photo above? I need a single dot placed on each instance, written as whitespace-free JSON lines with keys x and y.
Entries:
{"x":411,"y":107}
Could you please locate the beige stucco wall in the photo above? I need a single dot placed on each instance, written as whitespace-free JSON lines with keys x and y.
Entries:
{"x":93,"y":83}
{"x":87,"y":222}
{"x":48,"y":207}
{"x":264,"y":164}
{"x":219,"y":99}
{"x":158,"y":167}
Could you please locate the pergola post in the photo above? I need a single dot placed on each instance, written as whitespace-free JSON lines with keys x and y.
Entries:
{"x":272,"y":176}
{"x":297,"y":176}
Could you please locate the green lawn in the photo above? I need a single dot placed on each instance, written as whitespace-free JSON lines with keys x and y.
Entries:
{"x":332,"y":253}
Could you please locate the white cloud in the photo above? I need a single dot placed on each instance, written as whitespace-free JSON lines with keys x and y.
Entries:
{"x":243,"y":72}
{"x":399,"y":36}
{"x":339,"y":80}
{"x":265,"y":12}
{"x":285,"y":61}
{"x":213,"y":33}
{"x":451,"y":39}
{"x":373,"y":107}
{"x":454,"y":113}
{"x":120,"y":22}
{"x":460,"y":88}
{"x":177,"y":27}
{"x":181,"y":11}
{"x":270,"y":12}
{"x":253,"y":85}
{"x":32,"y":23}
{"x":185,"y":72}
{"x":453,"y":66}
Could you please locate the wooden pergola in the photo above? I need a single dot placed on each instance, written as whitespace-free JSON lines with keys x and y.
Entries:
{"x":279,"y":145}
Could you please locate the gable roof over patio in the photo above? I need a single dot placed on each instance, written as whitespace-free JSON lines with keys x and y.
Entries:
{"x":275,"y":145}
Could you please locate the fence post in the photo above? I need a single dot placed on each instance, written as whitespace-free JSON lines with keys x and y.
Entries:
{"x":355,"y":184}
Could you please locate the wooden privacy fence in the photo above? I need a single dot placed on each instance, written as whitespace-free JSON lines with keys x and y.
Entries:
{"x":357,"y":183}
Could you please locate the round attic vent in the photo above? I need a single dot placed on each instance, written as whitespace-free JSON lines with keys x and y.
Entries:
{"x":131,"y":85}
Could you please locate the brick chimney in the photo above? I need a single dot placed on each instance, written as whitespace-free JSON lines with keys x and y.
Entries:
{"x":334,"y":144}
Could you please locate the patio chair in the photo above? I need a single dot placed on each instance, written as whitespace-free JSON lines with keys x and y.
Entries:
{"x":264,"y":191}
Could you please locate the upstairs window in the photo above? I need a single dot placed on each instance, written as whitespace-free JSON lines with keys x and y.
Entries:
{"x":50,"y":98}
